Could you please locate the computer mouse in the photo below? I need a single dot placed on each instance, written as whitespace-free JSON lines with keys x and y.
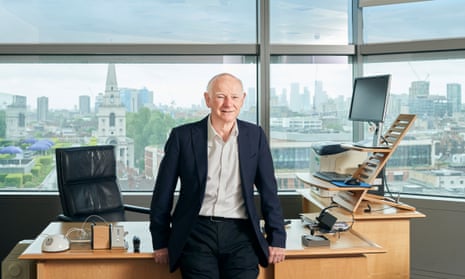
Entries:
{"x":351,"y":181}
{"x":55,"y":243}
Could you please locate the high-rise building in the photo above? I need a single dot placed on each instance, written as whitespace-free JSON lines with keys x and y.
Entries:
{"x":84,"y":104}
{"x":42,"y":109}
{"x":134,"y":99}
{"x":454,"y":97}
{"x":16,"y":121}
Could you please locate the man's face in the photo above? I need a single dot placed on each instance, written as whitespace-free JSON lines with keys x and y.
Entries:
{"x":226,"y":99}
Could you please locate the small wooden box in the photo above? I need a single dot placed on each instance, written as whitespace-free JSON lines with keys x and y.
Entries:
{"x":101,"y":236}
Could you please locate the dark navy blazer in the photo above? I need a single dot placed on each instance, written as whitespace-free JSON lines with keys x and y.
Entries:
{"x":186,"y":158}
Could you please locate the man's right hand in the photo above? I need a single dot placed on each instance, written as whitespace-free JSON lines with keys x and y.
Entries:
{"x":161,"y":256}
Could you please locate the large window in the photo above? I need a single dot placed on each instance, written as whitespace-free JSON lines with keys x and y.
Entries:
{"x":122,"y":21}
{"x":309,"y":103}
{"x":431,"y":160}
{"x":152,"y":59}
{"x":153,"y":97}
{"x":414,"y":20}
{"x":309,"y":22}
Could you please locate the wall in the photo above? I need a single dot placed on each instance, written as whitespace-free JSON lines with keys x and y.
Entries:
{"x":437,"y":246}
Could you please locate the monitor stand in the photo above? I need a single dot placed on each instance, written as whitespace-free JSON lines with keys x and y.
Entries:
{"x":377,"y":134}
{"x":376,"y":142}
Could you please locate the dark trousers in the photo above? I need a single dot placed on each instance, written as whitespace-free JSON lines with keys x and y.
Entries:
{"x":221,"y":248}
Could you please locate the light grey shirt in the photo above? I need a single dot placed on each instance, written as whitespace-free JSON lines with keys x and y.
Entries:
{"x":223,"y":193}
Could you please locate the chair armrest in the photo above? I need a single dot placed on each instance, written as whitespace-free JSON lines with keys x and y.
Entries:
{"x":64,"y":218}
{"x":138,"y":209}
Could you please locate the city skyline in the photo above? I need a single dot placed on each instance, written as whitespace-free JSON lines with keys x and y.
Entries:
{"x":183,"y":85}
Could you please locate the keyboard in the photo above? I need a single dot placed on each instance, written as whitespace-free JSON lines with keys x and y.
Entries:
{"x":331,"y":176}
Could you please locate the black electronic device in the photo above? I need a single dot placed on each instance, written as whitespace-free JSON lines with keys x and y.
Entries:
{"x":136,"y":244}
{"x":327,"y":148}
{"x":369,"y":102}
{"x":326,"y":220}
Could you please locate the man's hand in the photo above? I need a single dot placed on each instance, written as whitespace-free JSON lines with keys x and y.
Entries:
{"x":277,"y":254}
{"x":161,"y":256}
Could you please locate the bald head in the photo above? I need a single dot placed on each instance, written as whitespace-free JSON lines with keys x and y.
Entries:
{"x":214,"y":80}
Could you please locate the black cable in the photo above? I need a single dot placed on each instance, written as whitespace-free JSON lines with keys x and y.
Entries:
{"x":386,"y":186}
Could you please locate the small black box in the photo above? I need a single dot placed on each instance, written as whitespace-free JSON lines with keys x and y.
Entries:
{"x":315,"y":240}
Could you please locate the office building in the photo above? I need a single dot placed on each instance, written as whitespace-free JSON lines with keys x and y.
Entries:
{"x":84,"y":104}
{"x":42,"y":109}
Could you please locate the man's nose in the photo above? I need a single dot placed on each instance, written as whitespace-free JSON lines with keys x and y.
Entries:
{"x":227,"y":100}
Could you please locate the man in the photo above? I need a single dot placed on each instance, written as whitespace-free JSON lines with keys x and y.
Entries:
{"x":214,"y":229}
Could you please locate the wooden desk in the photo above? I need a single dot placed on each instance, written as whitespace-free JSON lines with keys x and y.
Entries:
{"x":345,"y":258}
{"x":346,"y":255}
{"x":385,"y":225}
{"x":83,"y":262}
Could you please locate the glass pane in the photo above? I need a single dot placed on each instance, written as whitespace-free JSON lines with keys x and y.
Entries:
{"x":121,"y":21}
{"x":414,"y":21}
{"x":431,"y":158}
{"x":309,"y":22}
{"x":309,"y":103}
{"x":60,"y":104}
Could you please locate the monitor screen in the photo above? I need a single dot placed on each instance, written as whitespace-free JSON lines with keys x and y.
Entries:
{"x":369,"y":98}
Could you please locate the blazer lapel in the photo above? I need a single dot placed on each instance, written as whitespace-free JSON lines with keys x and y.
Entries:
{"x":244,"y":150}
{"x":199,"y":149}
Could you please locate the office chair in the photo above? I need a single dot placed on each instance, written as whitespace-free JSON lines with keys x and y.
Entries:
{"x":88,"y":186}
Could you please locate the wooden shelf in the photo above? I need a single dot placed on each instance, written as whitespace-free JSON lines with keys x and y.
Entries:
{"x":377,"y":159}
{"x":351,"y":196}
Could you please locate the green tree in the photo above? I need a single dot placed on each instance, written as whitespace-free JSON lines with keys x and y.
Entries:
{"x":147,"y":128}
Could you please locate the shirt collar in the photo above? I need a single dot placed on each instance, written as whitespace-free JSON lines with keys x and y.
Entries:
{"x":212,"y":132}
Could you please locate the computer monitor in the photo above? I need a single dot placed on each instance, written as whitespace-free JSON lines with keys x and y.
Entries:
{"x":370,"y":96}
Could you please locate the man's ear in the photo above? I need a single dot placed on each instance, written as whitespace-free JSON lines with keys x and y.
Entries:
{"x":207,"y":99}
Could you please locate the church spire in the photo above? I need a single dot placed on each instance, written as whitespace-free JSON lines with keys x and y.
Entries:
{"x":111,"y":97}
{"x":111,"y":84}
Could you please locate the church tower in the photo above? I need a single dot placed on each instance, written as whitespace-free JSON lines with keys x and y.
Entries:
{"x":111,"y":116}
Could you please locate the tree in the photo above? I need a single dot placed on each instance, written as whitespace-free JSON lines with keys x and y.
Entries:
{"x":148,"y":128}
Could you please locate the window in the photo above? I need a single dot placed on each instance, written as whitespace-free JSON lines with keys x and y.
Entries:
{"x":309,"y":22}
{"x":430,"y":86}
{"x":309,"y":102}
{"x":432,"y":20}
{"x":132,"y":22}
{"x":170,"y":94}
{"x":297,"y":60}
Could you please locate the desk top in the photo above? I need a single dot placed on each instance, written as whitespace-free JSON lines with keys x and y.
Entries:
{"x":343,"y":244}
{"x":83,"y":250}
{"x":348,"y":243}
